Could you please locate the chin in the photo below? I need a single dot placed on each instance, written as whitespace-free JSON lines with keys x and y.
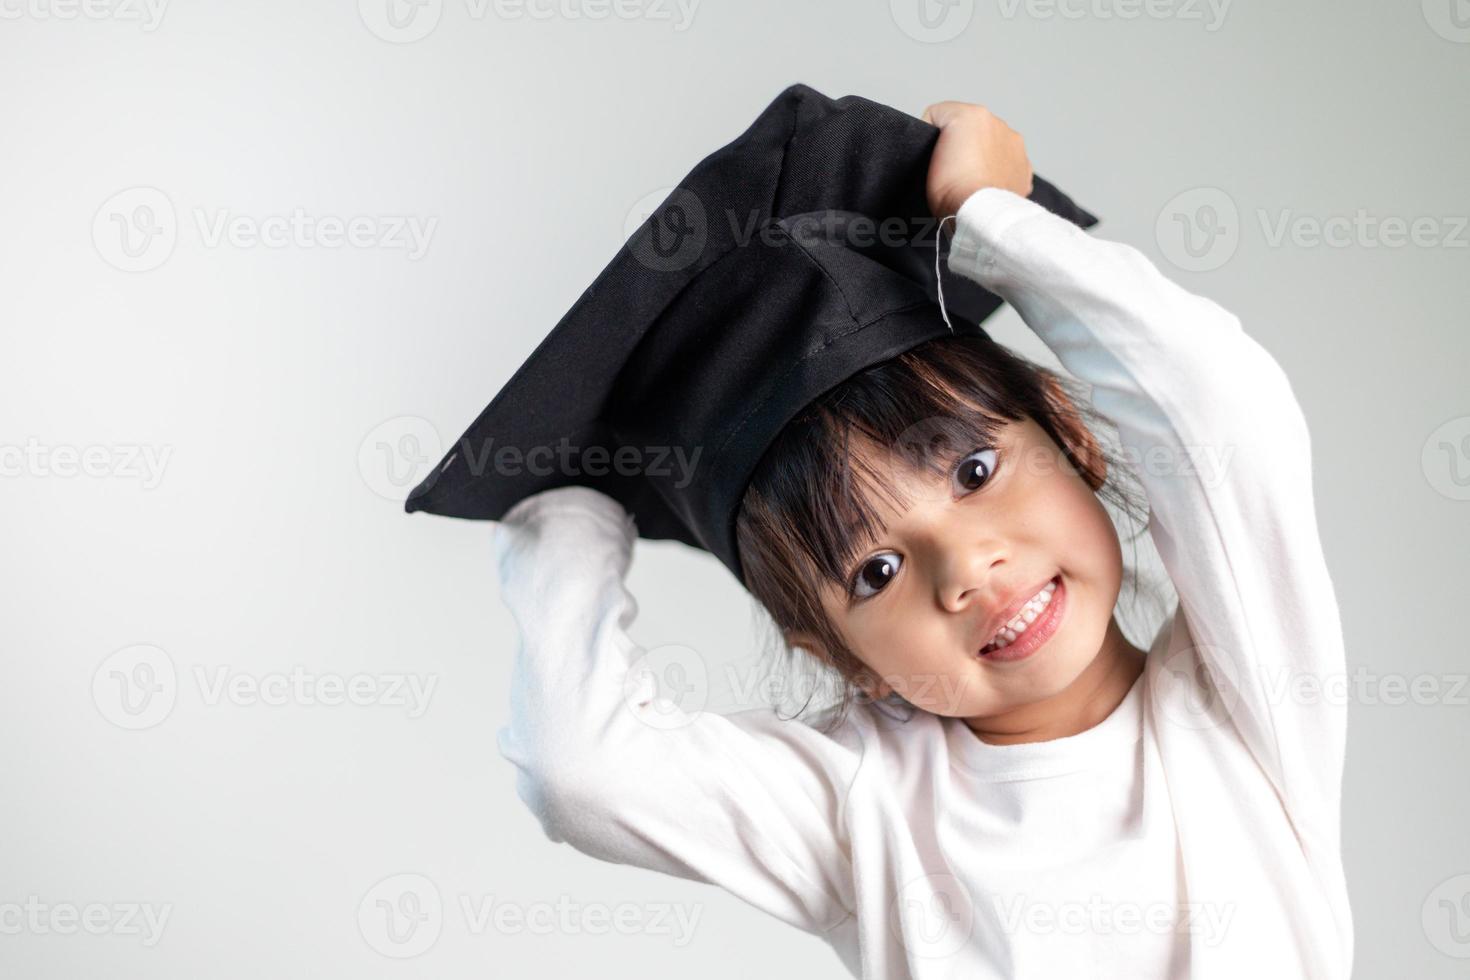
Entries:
{"x":1063,"y":670}
{"x":1053,"y":667}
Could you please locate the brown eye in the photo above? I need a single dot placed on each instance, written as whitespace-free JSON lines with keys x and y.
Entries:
{"x":875,"y":573}
{"x":974,"y":470}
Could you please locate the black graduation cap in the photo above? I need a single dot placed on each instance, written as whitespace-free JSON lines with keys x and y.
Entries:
{"x":784,"y":263}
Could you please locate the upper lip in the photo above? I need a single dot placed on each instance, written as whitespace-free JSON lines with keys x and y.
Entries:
{"x":1013,"y":605}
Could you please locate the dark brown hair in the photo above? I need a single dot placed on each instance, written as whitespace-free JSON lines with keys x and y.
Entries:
{"x":808,"y":507}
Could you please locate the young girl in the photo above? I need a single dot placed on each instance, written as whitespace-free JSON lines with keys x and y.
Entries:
{"x":1050,"y":801}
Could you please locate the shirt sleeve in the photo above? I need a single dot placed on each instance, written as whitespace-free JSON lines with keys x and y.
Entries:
{"x":745,"y":801}
{"x":1213,"y":430}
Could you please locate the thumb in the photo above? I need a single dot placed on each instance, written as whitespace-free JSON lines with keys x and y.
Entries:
{"x":939,"y":113}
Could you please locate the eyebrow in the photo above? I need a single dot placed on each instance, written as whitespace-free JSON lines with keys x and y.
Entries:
{"x":866,"y":537}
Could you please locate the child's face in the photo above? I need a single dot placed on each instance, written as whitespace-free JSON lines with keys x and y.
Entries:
{"x":952,"y":561}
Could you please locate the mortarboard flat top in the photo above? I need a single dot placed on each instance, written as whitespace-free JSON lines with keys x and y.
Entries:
{"x":784,"y":263}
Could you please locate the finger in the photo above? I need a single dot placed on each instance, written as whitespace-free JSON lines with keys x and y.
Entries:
{"x":938,"y":114}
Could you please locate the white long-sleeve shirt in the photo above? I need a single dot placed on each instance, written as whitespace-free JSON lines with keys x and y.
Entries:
{"x":1193,"y":832}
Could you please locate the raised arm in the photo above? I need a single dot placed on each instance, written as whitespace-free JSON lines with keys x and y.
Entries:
{"x":1185,"y":386}
{"x":745,"y":801}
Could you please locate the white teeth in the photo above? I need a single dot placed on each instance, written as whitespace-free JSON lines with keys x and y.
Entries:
{"x":1033,"y":608}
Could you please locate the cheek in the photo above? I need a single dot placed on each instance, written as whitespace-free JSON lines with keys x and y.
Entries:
{"x":1095,"y":543}
{"x":1064,"y":519}
{"x":912,"y":649}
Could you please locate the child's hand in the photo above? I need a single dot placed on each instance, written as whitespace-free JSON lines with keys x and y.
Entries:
{"x":975,"y":149}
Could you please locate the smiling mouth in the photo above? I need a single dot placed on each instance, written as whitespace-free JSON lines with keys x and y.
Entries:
{"x":1031,"y":627}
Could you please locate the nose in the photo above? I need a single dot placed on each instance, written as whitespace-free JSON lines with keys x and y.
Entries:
{"x":963,"y":569}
